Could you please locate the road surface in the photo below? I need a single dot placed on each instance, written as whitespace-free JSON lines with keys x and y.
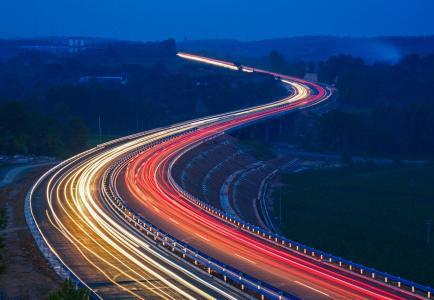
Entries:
{"x":72,"y":211}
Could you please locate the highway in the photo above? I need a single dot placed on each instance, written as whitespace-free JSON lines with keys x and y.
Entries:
{"x":76,"y":214}
{"x":102,"y":250}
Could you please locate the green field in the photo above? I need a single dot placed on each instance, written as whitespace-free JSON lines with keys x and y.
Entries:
{"x":375,"y":216}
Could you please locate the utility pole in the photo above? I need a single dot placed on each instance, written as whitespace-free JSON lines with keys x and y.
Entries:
{"x":99,"y":129}
{"x":280,"y":204}
{"x":428,"y":231}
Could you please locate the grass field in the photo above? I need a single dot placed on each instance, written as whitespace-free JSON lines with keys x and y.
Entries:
{"x":375,"y":216}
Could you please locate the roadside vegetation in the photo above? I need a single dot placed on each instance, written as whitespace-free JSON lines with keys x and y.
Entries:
{"x":376,"y":216}
{"x":26,"y":274}
{"x":25,"y":131}
{"x":3,"y":224}
{"x":69,"y":292}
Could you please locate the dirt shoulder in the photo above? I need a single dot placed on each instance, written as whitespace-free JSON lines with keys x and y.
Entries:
{"x":27,"y":274}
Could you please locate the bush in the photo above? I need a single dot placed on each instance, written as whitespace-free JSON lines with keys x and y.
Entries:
{"x":70,"y":292}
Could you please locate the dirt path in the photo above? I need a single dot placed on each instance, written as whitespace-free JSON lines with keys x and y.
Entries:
{"x":15,"y":172}
{"x":27,"y":274}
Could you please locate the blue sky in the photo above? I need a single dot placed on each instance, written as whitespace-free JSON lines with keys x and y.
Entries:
{"x":237,"y":19}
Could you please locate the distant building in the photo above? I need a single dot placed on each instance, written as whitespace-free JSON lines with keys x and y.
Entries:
{"x":103,"y":79}
{"x":76,"y":44}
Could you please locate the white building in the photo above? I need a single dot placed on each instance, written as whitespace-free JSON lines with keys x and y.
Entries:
{"x":76,"y":44}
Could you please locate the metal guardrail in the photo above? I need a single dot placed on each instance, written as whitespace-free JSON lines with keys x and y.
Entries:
{"x":183,"y":249}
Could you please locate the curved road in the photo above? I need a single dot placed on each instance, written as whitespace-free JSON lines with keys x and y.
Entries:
{"x":115,"y":259}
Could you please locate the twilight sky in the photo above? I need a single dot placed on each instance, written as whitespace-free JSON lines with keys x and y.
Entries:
{"x":238,"y":19}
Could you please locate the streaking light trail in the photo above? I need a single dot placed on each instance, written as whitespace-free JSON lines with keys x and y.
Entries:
{"x":74,"y":212}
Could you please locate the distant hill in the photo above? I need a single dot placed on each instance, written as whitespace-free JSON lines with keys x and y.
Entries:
{"x":317,"y":48}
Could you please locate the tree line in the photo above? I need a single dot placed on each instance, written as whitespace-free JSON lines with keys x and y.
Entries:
{"x":382,"y":108}
{"x":25,"y":131}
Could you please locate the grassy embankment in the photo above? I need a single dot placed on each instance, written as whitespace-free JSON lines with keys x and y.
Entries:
{"x":374,"y":216}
